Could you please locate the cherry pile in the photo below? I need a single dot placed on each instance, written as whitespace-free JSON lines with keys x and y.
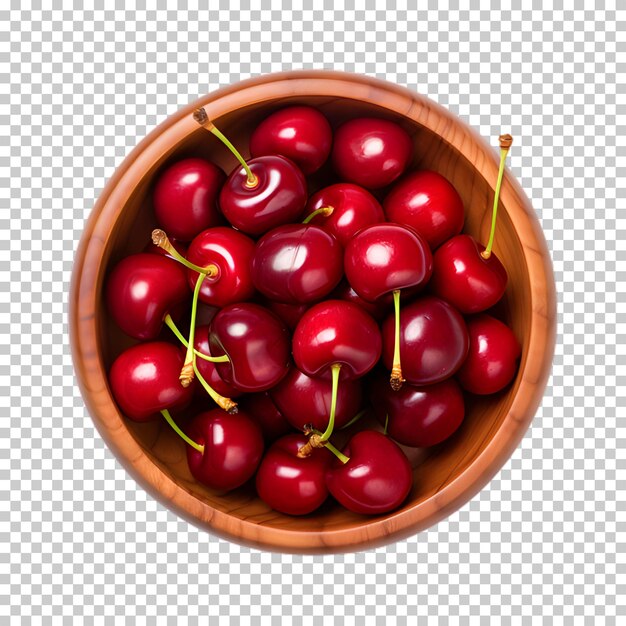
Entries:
{"x":300,"y":314}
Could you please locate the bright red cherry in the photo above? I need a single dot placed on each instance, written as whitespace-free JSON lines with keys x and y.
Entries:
{"x":256,"y":342}
{"x":433,"y":340}
{"x":264,"y":412}
{"x":376,"y":478}
{"x":231,"y":253}
{"x":300,"y":133}
{"x":142,"y":290}
{"x":418,"y":416}
{"x":291,"y":484}
{"x":297,"y":264}
{"x":304,"y":400}
{"x":427,"y":202}
{"x":233,"y":447}
{"x":289,"y":313}
{"x":491,"y":362}
{"x":378,"y":309}
{"x":371,"y":152}
{"x":144,"y":380}
{"x":349,"y":208}
{"x":185,"y":198}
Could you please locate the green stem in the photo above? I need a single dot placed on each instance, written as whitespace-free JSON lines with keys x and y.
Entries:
{"x":354,"y":420}
{"x":226,"y":404}
{"x":335,"y":371}
{"x":386,"y":424}
{"x":199,"y":447}
{"x":325,"y":211}
{"x":186,"y":374}
{"x":340,"y":455}
{"x":169,"y":322}
{"x":396,"y":379}
{"x":160,"y":239}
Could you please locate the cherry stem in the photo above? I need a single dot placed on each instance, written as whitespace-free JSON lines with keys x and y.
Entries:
{"x":160,"y":239}
{"x":198,"y":446}
{"x":505,"y":144}
{"x":396,"y":379}
{"x":200,"y":115}
{"x":228,"y":405}
{"x":354,"y":420}
{"x":340,"y":455}
{"x":169,"y":322}
{"x":325,"y":211}
{"x":386,"y":424}
{"x":186,"y":374}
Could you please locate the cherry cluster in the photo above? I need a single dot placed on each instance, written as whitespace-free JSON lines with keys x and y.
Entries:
{"x":306,"y":313}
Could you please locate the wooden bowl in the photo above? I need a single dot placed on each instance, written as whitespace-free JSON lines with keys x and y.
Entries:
{"x":446,"y":476}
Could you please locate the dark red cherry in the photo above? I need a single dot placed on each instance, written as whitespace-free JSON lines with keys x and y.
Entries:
{"x":297,"y":264}
{"x":427,"y":202}
{"x":351,"y":209}
{"x":144,"y":380}
{"x":371,"y":152}
{"x":433,"y":340}
{"x":289,"y":313}
{"x":418,"y":416}
{"x":233,"y":447}
{"x":185,"y":198}
{"x":378,"y":309}
{"x":304,"y":400}
{"x":336,"y":332}
{"x":231,"y":252}
{"x":377,"y":477}
{"x":463,"y":277}
{"x":491,"y":362}
{"x":208,"y":370}
{"x":292,"y":484}
{"x":264,"y":412}
{"x":142,"y":289}
{"x":277,"y":198}
{"x":256,"y":342}
{"x":300,"y":133}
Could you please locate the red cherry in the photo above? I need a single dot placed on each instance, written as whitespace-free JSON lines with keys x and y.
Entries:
{"x":266,"y":415}
{"x":231,"y":253}
{"x":371,"y":152}
{"x":292,"y":484}
{"x":304,"y":400}
{"x":378,"y":310}
{"x":427,"y":202}
{"x":418,"y":416}
{"x":377,"y":477}
{"x":491,"y":362}
{"x":433,"y":341}
{"x":233,"y":447}
{"x":144,"y":380}
{"x":142,"y":289}
{"x":256,"y":342}
{"x":297,"y":264}
{"x":300,"y":133}
{"x":288,"y":313}
{"x":278,"y":196}
{"x":463,"y":277}
{"x":336,"y":332}
{"x":352,"y":208}
{"x":185,"y":198}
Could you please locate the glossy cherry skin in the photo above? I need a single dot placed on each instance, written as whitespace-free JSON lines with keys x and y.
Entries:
{"x":433,"y":340}
{"x":233,"y":447}
{"x":289,"y":313}
{"x":491,"y":362}
{"x":300,"y":133}
{"x":264,"y":412}
{"x":353,"y":207}
{"x":305,"y":400}
{"x":207,"y":369}
{"x":144,"y":380}
{"x":371,"y":152}
{"x":293,"y":485}
{"x":297,"y":264}
{"x":232,"y":253}
{"x":278,"y":198}
{"x":378,"y":309}
{"x":385,"y":257}
{"x":427,"y":202}
{"x":464,"y":278}
{"x":418,"y":416}
{"x":257,"y":343}
{"x":376,"y":479}
{"x":142,"y":289}
{"x":336,"y":331}
{"x":185,"y":198}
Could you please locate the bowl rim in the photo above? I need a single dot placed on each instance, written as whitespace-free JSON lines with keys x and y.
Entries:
{"x":92,"y":377}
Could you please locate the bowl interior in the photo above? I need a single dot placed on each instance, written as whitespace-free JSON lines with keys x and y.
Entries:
{"x":434,"y":468}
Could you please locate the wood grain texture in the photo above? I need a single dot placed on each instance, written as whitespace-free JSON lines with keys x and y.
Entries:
{"x":446,"y":476}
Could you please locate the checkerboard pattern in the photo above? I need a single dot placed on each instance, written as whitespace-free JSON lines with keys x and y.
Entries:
{"x":82,"y":543}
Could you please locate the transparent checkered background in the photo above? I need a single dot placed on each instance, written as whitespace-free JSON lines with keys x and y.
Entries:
{"x":81,"y":543}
